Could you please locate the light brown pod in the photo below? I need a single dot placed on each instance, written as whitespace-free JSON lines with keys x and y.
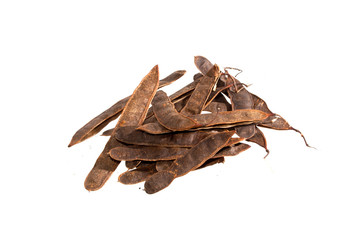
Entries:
{"x":99,"y":122}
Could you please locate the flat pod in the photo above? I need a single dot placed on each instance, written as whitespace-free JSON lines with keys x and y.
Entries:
{"x":165,"y":165}
{"x":137,"y":175}
{"x":132,"y":164}
{"x":200,"y":94}
{"x":242,"y":99}
{"x":274,"y":121}
{"x":205,"y":66}
{"x":133,"y":115}
{"x":232,"y":150}
{"x":168,"y":116}
{"x":153,"y":153}
{"x":212,"y":162}
{"x":130,"y":135}
{"x":194,"y":158}
{"x":236,"y":116}
{"x":98,"y":123}
{"x":147,"y":153}
{"x":259,"y":138}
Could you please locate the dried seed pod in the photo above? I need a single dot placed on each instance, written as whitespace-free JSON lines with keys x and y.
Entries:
{"x":99,"y":122}
{"x":216,"y":95}
{"x":213,"y":120}
{"x":163,"y":165}
{"x":259,"y":138}
{"x":211,"y":162}
{"x":132,"y":164}
{"x":247,"y":116}
{"x":130,"y":135}
{"x":218,"y":104}
{"x":274,"y":121}
{"x":147,"y":153}
{"x":133,"y":115}
{"x":138,"y":175}
{"x":242,"y":99}
{"x":205,"y":66}
{"x":168,"y":116}
{"x":194,"y":158}
{"x":232,"y":150}
{"x":199,"y":96}
{"x":153,"y":153}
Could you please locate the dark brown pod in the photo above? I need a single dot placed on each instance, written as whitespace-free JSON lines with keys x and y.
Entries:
{"x":147,"y":153}
{"x":199,"y":96}
{"x":137,"y":175}
{"x":168,"y":116}
{"x":132,"y":164}
{"x":194,"y":158}
{"x":130,"y":135}
{"x":237,"y":116}
{"x":205,"y":66}
{"x":133,"y":115}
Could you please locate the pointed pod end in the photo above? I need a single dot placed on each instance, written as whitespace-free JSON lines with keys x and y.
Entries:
{"x":181,"y":72}
{"x":159,"y":181}
{"x":72,"y":143}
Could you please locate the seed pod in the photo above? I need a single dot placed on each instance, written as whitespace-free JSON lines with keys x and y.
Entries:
{"x":163,"y":165}
{"x":211,"y":162}
{"x":259,"y":138}
{"x":236,"y":116}
{"x":232,"y":150}
{"x":194,"y":158}
{"x":132,"y":164}
{"x":153,"y":153}
{"x":147,"y":153}
{"x":205,"y":66}
{"x":102,"y":120}
{"x":138,"y":175}
{"x":130,"y":135}
{"x":242,"y":99}
{"x":168,"y":116}
{"x":133,"y":115}
{"x":200,"y":94}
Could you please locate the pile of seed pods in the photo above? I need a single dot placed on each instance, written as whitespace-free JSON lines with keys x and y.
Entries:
{"x":192,"y":128}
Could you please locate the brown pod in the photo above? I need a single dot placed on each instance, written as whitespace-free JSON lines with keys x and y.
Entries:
{"x":153,"y":153}
{"x":132,"y":164}
{"x":194,"y":158}
{"x":218,"y":104}
{"x":274,"y":121}
{"x":242,"y":99}
{"x":199,"y":96}
{"x":108,"y":132}
{"x":211,"y":162}
{"x":137,"y":175}
{"x":99,"y":122}
{"x":215,"y":95}
{"x":237,"y":116}
{"x":147,"y":153}
{"x":232,"y":150}
{"x":168,"y":116}
{"x":130,"y":135}
{"x":163,"y":165}
{"x":259,"y":138}
{"x":205,"y":66}
{"x":133,"y":115}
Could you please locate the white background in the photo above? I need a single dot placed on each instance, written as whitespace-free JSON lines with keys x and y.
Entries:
{"x":64,"y":62}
